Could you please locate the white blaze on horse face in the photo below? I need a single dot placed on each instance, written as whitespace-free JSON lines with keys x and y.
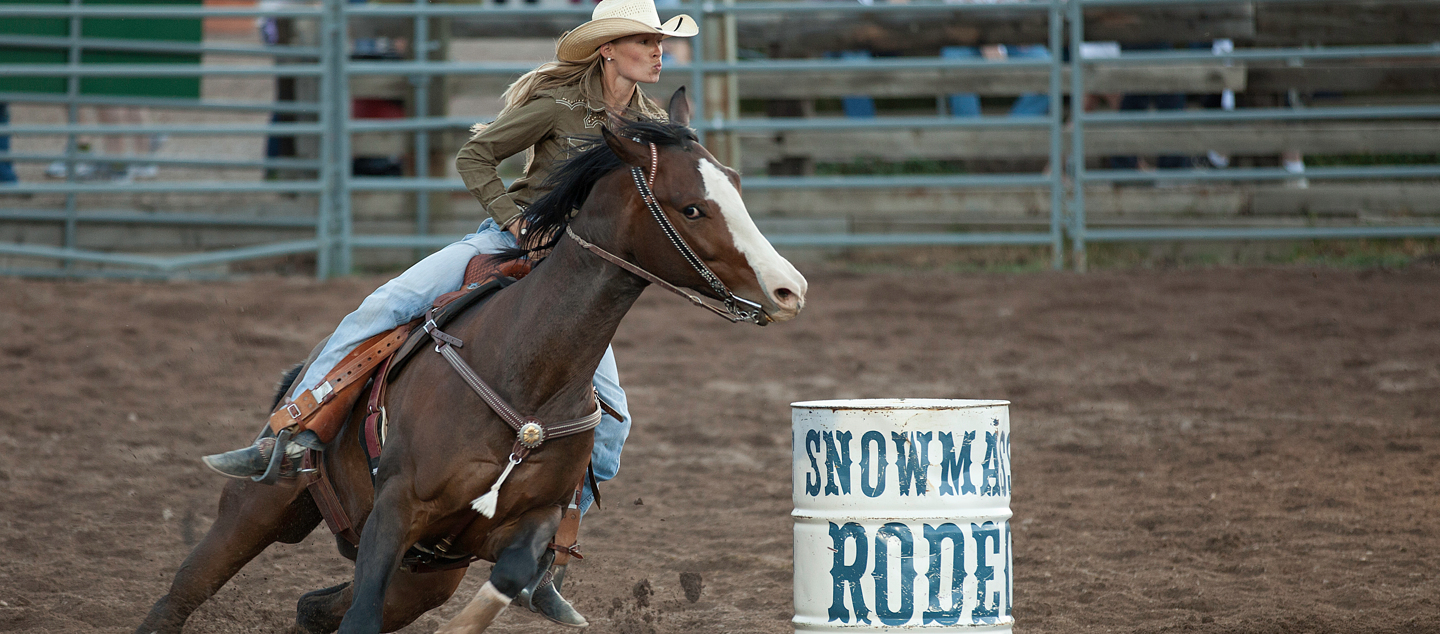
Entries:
{"x":784,"y":287}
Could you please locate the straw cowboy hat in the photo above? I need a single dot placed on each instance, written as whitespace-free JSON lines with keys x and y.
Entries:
{"x":614,"y":19}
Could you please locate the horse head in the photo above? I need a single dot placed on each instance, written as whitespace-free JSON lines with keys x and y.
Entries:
{"x":700,"y":198}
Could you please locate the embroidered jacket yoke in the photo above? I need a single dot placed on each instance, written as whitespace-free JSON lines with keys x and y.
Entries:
{"x":552,"y":122}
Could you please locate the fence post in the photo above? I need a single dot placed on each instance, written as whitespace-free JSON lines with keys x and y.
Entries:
{"x":1057,"y":131}
{"x":1077,"y":141}
{"x":332,"y":46}
{"x":721,"y":100}
{"x":343,"y":159}
{"x":697,"y":76}
{"x":421,"y":83}
{"x":72,"y":147}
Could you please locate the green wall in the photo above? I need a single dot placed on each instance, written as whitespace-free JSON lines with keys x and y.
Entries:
{"x":177,"y":30}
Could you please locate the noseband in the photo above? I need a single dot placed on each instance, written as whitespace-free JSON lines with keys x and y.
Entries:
{"x":736,"y":308}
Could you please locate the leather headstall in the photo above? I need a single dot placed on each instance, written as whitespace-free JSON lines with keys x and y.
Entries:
{"x":736,"y":308}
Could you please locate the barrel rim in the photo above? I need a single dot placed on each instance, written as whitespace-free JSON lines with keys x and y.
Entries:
{"x":933,"y":404}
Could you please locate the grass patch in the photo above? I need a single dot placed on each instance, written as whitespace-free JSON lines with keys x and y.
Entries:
{"x":1346,"y":254}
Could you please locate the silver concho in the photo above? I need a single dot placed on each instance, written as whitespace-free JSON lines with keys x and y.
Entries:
{"x":531,"y":435}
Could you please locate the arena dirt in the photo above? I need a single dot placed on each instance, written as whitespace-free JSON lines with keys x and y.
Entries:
{"x":1209,"y":451}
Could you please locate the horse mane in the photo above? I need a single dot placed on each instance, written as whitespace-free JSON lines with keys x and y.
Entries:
{"x":572,"y":179}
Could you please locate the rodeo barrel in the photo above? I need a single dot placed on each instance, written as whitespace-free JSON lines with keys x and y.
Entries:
{"x":902,"y":515}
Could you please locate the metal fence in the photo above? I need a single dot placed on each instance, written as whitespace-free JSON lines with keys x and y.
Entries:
{"x":67,"y":253}
{"x":333,"y":183}
{"x":1081,"y":233}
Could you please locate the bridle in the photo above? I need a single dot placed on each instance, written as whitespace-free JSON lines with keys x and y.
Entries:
{"x":736,"y":309}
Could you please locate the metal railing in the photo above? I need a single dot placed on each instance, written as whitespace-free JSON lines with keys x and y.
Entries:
{"x":333,"y":183}
{"x":1078,"y":226}
{"x":68,"y":253}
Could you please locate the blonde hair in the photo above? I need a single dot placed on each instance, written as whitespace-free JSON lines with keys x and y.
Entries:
{"x":584,"y":73}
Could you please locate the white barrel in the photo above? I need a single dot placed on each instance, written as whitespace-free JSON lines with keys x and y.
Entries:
{"x":902,"y":515}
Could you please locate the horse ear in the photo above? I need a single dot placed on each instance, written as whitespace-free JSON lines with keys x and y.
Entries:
{"x":679,"y":109}
{"x":632,"y":153}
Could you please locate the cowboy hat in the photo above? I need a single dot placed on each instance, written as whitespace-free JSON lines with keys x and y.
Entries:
{"x":615,"y":19}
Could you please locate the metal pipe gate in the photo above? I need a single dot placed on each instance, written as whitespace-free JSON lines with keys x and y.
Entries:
{"x":333,"y":183}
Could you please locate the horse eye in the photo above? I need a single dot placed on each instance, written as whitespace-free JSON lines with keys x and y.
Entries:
{"x":693,"y":213}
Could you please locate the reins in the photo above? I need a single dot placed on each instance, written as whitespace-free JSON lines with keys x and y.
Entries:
{"x":736,"y":309}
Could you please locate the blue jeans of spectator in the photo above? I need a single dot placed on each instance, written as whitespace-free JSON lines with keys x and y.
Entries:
{"x":412,"y":292}
{"x":967,"y":104}
{"x":7,"y":170}
{"x":859,"y":106}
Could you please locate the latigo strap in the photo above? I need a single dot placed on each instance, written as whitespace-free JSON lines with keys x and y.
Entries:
{"x":296,"y":412}
{"x":567,"y":537}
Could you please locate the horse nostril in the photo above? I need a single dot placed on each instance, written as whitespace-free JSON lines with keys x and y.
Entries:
{"x":785,"y":297}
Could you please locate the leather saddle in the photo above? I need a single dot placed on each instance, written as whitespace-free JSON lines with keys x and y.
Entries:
{"x":483,"y":278}
{"x":326,"y":414}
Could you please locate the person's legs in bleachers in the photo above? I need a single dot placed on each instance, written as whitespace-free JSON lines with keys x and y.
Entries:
{"x":1031,"y":103}
{"x":962,"y":104}
{"x":859,"y":106}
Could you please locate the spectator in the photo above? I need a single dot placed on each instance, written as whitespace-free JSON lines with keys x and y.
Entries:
{"x":1140,"y":102}
{"x":1224,"y":101}
{"x":960,"y":104}
{"x":967,"y":104}
{"x":139,"y":144}
{"x":860,"y":106}
{"x":115,"y":146}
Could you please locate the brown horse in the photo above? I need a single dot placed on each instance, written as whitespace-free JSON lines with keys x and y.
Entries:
{"x":537,"y":343}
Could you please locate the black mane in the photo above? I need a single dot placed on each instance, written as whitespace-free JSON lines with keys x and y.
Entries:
{"x":572,"y":179}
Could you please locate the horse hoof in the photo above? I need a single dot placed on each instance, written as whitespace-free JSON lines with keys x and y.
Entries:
{"x":316,"y":612}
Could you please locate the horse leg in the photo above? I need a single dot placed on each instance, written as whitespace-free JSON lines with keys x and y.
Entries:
{"x":251,"y":517}
{"x":385,"y":538}
{"x":517,"y":564}
{"x":408,"y":596}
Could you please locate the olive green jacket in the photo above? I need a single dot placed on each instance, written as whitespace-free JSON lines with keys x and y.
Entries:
{"x":552,"y":122}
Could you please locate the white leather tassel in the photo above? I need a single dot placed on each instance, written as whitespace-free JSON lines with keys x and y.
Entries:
{"x":486,"y":504}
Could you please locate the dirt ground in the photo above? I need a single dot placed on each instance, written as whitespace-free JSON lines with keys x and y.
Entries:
{"x":1226,"y":450}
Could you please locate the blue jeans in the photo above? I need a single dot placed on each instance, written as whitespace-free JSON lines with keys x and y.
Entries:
{"x":411,"y":293}
{"x":7,"y":170}
{"x":859,"y":106}
{"x":967,"y":104}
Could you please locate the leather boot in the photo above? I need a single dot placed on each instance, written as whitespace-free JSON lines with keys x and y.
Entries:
{"x":320,"y":428}
{"x":252,"y":461}
{"x":542,"y":596}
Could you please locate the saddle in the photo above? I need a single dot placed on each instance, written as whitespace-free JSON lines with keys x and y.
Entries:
{"x":324,"y":409}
